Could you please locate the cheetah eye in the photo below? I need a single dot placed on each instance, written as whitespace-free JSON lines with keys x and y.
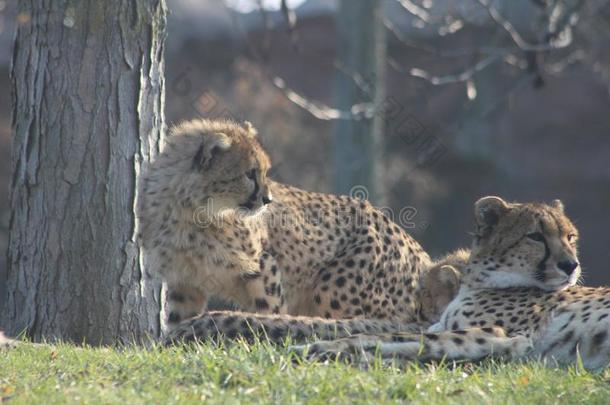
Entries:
{"x":537,"y":236}
{"x":251,"y":174}
{"x":571,"y":237}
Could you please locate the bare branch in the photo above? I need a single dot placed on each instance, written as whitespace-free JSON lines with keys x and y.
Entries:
{"x":360,"y":81}
{"x":512,"y":31}
{"x":317,"y":109}
{"x":416,"y":10}
{"x":367,"y":110}
{"x":454,"y":53}
{"x":268,"y":24}
{"x":561,"y":21}
{"x":464,"y":76}
{"x":448,"y":24}
{"x":321,"y":111}
{"x":291,"y":21}
{"x":289,"y":15}
{"x":560,"y":66}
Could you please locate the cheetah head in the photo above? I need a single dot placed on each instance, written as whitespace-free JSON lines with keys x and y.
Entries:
{"x":439,"y":286}
{"x":522,"y":245}
{"x":213,"y":167}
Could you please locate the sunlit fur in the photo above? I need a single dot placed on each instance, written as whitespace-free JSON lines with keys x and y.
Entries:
{"x":294,"y":252}
{"x":500,"y":309}
{"x":522,"y":245}
{"x":214,"y":182}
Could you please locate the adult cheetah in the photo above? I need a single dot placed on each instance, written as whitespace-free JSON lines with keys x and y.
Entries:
{"x":518,"y":298}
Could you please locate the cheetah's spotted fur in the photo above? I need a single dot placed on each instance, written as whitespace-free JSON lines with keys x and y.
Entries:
{"x":543,"y":313}
{"x":214,"y":224}
{"x":439,"y":286}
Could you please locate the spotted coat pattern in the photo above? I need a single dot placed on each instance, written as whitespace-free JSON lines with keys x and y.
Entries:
{"x":213,"y":223}
{"x":551,"y":317}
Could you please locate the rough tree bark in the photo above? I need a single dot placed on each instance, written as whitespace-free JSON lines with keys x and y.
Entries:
{"x":88,"y":93}
{"x":361,"y":52}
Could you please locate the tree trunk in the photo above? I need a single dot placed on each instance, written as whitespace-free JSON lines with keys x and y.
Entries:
{"x":361,"y":55}
{"x":88,"y":93}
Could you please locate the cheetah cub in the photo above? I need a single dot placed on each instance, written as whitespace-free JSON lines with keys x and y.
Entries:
{"x":213,"y":223}
{"x":517,"y":297}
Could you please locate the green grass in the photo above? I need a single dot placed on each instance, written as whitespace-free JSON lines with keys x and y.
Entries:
{"x":262,"y":374}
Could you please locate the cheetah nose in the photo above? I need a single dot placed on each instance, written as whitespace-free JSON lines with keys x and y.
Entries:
{"x":567,"y":266}
{"x":266,"y":200}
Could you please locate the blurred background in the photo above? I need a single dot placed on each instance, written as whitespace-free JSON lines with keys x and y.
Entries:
{"x":421,"y":105}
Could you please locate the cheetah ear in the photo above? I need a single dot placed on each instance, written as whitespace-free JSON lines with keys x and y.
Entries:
{"x":558,"y":205}
{"x":489,"y":210}
{"x":450,"y":278}
{"x":250,"y":128}
{"x":446,"y":277}
{"x":213,"y":144}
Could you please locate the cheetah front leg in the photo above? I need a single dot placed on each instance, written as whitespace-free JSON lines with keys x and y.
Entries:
{"x":183,"y":302}
{"x":472,"y":344}
{"x":265,"y":288}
